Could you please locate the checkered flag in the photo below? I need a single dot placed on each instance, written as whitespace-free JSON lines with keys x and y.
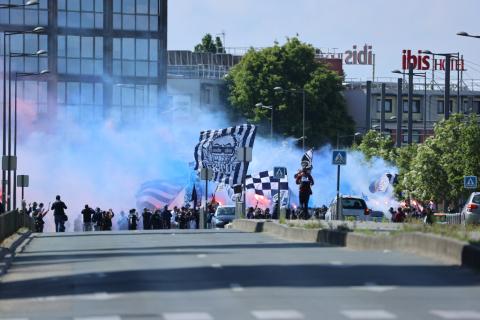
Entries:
{"x":265,"y":184}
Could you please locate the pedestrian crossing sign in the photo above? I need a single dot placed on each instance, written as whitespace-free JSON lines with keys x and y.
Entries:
{"x":339,"y":158}
{"x":470,"y":182}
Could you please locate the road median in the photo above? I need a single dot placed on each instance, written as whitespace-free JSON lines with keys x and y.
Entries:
{"x":448,"y":250}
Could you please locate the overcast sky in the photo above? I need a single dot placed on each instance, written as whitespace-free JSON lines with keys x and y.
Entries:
{"x":389,"y":25}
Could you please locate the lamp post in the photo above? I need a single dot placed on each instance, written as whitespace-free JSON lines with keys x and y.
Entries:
{"x":26,"y":4}
{"x":260,"y":105}
{"x":9,"y":152}
{"x":36,"y":30}
{"x":297,"y":91}
{"x":466,"y":34}
{"x":18,"y":75}
{"x":424,"y":76}
{"x":446,"y":100}
{"x":339,"y":137}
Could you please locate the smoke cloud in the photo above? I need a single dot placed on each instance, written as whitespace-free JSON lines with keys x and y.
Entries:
{"x":103,"y":164}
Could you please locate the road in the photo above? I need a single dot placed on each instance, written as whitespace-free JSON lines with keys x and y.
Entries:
{"x":208,"y":275}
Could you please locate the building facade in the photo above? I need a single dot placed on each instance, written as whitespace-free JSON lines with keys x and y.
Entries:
{"x":107,"y":59}
{"x":427,"y":108}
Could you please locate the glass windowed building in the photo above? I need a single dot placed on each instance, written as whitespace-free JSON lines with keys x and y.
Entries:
{"x":107,"y":58}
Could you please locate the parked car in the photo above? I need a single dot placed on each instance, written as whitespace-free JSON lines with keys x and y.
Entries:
{"x":377,"y":216}
{"x":471,"y":211}
{"x":351,"y":207}
{"x":223,"y":215}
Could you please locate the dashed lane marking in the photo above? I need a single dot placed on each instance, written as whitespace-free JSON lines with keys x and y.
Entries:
{"x":201,"y":256}
{"x":187,"y":316}
{"x":456,"y":314}
{"x":216,"y":266}
{"x":99,"y":318}
{"x":236,"y":287}
{"x":277,"y":314}
{"x":368,"y":314}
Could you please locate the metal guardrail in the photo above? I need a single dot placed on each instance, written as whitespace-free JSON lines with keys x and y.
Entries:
{"x":197,"y":72}
{"x":448,"y":218}
{"x":11,"y":221}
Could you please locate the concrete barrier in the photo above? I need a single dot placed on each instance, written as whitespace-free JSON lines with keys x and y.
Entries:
{"x":428,"y":245}
{"x":11,"y":221}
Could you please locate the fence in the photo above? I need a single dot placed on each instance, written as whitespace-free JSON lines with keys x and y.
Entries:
{"x":11,"y":221}
{"x":448,"y":218}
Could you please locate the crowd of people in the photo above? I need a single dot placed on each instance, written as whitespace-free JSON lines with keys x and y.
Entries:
{"x":102,"y":220}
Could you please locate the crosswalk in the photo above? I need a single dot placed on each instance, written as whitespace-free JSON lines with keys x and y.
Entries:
{"x":291,"y":314}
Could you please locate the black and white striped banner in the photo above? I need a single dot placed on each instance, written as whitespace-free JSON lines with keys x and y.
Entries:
{"x":217,"y":150}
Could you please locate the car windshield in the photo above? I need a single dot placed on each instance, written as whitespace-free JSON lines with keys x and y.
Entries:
{"x":352,"y":203}
{"x":226,"y":211}
{"x":476,"y":199}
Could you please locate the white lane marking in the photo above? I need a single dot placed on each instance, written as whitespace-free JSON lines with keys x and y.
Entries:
{"x":336,"y":263}
{"x":201,"y":256}
{"x":386,"y":251}
{"x":368,"y":314}
{"x":8,"y":255}
{"x":99,"y":318}
{"x":216,"y":266}
{"x":236,"y":287}
{"x":373,"y":287}
{"x":277,"y":314}
{"x":460,"y":314}
{"x":187,"y":316}
{"x":99,"y":296}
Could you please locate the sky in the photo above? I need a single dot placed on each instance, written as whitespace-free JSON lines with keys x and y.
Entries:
{"x":389,"y":25}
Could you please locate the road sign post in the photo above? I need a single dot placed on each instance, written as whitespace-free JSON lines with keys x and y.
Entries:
{"x":23,"y":182}
{"x":279,"y":173}
{"x":244,"y":154}
{"x":205,"y":174}
{"x":339,"y":158}
{"x":470,"y":182}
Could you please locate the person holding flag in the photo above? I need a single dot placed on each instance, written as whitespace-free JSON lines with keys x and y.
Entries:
{"x":304,"y":180}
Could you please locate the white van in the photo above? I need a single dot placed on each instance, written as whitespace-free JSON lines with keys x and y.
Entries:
{"x":350,"y":207}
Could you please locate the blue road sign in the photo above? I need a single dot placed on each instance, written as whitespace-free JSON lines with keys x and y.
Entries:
{"x":339,"y":158}
{"x":470,"y":182}
{"x":279,"y":172}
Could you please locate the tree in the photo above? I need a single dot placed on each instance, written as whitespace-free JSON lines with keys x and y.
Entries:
{"x":291,"y":66}
{"x":376,"y":144}
{"x":435,"y":169}
{"x":210,"y":45}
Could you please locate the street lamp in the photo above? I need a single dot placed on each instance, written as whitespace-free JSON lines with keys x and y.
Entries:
{"x":6,"y":34}
{"x":18,"y":75}
{"x":26,"y":4}
{"x":297,"y":91}
{"x":260,"y":105}
{"x":355,"y":135}
{"x":466,"y":34}
{"x":410,"y":116}
{"x":12,"y":55}
{"x":446,"y":100}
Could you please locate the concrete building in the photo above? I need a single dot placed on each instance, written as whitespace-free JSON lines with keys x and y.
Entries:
{"x":106,"y":58}
{"x":426,"y":112}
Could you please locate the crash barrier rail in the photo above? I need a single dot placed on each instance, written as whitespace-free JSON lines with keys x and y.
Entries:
{"x":11,"y":221}
{"x":448,"y":218}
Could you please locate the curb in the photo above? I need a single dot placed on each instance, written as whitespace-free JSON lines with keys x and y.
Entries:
{"x":7,"y":253}
{"x":433,"y":246}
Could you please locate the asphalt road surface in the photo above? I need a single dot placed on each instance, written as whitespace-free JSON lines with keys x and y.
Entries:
{"x":226,"y":275}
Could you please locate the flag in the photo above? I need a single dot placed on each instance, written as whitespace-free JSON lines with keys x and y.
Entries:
{"x":217,"y":150}
{"x":307,"y":159}
{"x":156,"y":194}
{"x":265,"y":184}
{"x":194,"y":198}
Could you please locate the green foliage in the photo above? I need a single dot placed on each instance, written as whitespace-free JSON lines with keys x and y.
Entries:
{"x":291,"y":66}
{"x":435,"y":169}
{"x":375,"y":144}
{"x":210,"y":45}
